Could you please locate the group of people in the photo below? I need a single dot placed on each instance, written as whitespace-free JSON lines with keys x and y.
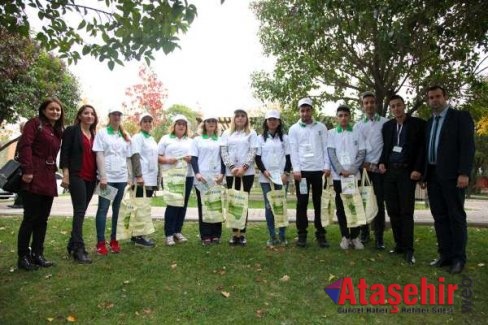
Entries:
{"x":395,"y":153}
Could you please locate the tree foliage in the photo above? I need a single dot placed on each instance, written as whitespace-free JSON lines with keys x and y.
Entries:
{"x":147,"y":96}
{"x":28,"y":75}
{"x":110,"y":30}
{"x":336,"y":49}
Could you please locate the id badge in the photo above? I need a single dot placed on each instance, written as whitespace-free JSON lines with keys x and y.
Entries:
{"x":397,"y":149}
{"x":307,"y":150}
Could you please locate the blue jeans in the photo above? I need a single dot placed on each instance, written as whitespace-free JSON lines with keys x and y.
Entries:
{"x":268,"y":213}
{"x":101,"y":216}
{"x":175,"y":216}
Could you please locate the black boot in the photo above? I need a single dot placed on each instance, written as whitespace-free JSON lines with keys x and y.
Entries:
{"x":81,"y":256}
{"x":38,"y":259}
{"x":25,"y":263}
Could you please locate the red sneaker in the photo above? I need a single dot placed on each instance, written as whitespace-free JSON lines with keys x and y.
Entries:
{"x":101,"y":248}
{"x":114,"y":246}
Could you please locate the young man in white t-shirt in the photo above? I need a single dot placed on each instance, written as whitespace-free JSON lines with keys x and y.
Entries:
{"x":346,"y":151}
{"x":310,"y":162}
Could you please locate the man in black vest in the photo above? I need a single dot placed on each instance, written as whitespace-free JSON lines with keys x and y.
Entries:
{"x":450,"y":155}
{"x":402,"y":161}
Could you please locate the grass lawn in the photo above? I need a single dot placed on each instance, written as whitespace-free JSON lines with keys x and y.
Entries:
{"x":189,"y":283}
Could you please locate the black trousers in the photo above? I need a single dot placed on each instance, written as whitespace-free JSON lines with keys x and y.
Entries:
{"x":34,"y":224}
{"x":378,"y":222}
{"x":140,"y":193}
{"x":447,"y":208}
{"x":314,"y":181}
{"x":247,"y":182}
{"x":207,"y":230}
{"x":349,"y":233}
{"x":81,"y":192}
{"x":400,"y":204}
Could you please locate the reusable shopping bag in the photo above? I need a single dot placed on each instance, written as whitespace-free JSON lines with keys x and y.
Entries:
{"x":277,"y":201}
{"x":213,"y":205}
{"x":369,"y":198}
{"x":354,"y":208}
{"x":174,"y":185}
{"x":236,"y":207}
{"x":328,"y":204}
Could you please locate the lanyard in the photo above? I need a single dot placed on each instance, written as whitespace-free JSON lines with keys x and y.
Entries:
{"x":399,"y":132}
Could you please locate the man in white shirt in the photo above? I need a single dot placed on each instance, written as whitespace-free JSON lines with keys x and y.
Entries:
{"x":370,"y":127}
{"x":308,"y":144}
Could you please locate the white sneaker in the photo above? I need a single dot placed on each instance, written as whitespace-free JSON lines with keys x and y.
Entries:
{"x":344,"y":243}
{"x":170,"y":241}
{"x":356,"y":242}
{"x":180,"y":238}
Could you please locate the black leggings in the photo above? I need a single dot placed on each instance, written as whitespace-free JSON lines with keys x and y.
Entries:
{"x":81,"y":193}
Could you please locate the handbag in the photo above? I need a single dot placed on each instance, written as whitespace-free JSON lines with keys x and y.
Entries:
{"x":328,"y":204}
{"x":236,"y":207}
{"x":11,"y":176}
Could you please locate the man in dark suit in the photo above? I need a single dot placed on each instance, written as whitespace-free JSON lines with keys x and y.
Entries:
{"x":450,"y":155}
{"x":402,"y":162}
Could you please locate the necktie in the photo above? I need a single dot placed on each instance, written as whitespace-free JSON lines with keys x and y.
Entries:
{"x":433,"y":151}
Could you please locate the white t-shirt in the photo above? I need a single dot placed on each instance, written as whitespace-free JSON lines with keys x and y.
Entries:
{"x":207,"y":149}
{"x":116,"y":151}
{"x":347,"y":144}
{"x":373,"y":138}
{"x":308,"y":146}
{"x":238,"y":145}
{"x":171,"y":146}
{"x":147,"y":148}
{"x":273,"y":152}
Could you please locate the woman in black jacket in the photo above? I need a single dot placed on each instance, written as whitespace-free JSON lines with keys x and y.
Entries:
{"x":79,"y":174}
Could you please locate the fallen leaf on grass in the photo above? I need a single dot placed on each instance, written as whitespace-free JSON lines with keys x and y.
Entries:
{"x":48,"y":276}
{"x":331,"y":277}
{"x":63,"y":232}
{"x":147,"y":311}
{"x":225,"y":294}
{"x":222,"y":272}
{"x":372,"y":259}
{"x":173,"y":266}
{"x":2,"y":228}
{"x":481,"y":264}
{"x":126,"y":282}
{"x":50,"y":319}
{"x":260,"y":313}
{"x":12,"y":269}
{"x":285,"y":278}
{"x":105,"y":305}
{"x":71,"y":319}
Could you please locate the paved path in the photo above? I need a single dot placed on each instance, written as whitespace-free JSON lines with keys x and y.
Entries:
{"x":477,"y":211}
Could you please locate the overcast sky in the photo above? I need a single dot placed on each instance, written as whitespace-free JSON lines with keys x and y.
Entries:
{"x":211,"y":72}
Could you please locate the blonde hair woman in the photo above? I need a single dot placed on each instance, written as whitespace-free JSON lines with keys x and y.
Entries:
{"x":238,"y":149}
{"x":171,"y":148}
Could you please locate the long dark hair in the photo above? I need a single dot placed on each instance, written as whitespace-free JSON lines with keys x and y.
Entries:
{"x":59,"y":124}
{"x":279,"y":130}
{"x":77,"y":121}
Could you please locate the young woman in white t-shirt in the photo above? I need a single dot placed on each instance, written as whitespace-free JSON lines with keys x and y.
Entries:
{"x":144,"y":151}
{"x":273,"y":160}
{"x":206,"y":163}
{"x":238,"y":149}
{"x":174,"y":148}
{"x":112,"y":145}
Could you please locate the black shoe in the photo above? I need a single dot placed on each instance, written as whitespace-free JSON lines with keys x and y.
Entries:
{"x":323,"y":243}
{"x":242,"y":240}
{"x":25,"y":263}
{"x":301,"y":242}
{"x":396,"y":250}
{"x":409,"y":258}
{"x":440,"y":262}
{"x":41,"y":261}
{"x":81,"y":256}
{"x":234,"y":240}
{"x":16,"y":206}
{"x":365,"y":237}
{"x":456,"y":268}
{"x":379,"y":245}
{"x":142,"y":242}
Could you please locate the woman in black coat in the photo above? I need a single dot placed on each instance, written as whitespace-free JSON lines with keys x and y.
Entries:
{"x":79,"y":174}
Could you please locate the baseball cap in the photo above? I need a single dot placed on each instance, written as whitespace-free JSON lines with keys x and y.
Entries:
{"x":114,"y":110}
{"x":240,"y":110}
{"x":272,"y":114}
{"x":143,"y":115}
{"x":305,"y":101}
{"x":210,"y":117}
{"x":179,"y":117}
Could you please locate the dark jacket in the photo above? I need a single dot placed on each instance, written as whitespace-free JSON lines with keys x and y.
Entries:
{"x":415,"y":154}
{"x":38,"y":149}
{"x":455,"y":152}
{"x":72,"y":149}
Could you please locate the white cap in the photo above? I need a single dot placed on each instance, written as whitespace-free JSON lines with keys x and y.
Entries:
{"x":180,"y":117}
{"x":305,"y":101}
{"x":114,"y":110}
{"x":143,"y":115}
{"x":210,"y":116}
{"x":272,"y":114}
